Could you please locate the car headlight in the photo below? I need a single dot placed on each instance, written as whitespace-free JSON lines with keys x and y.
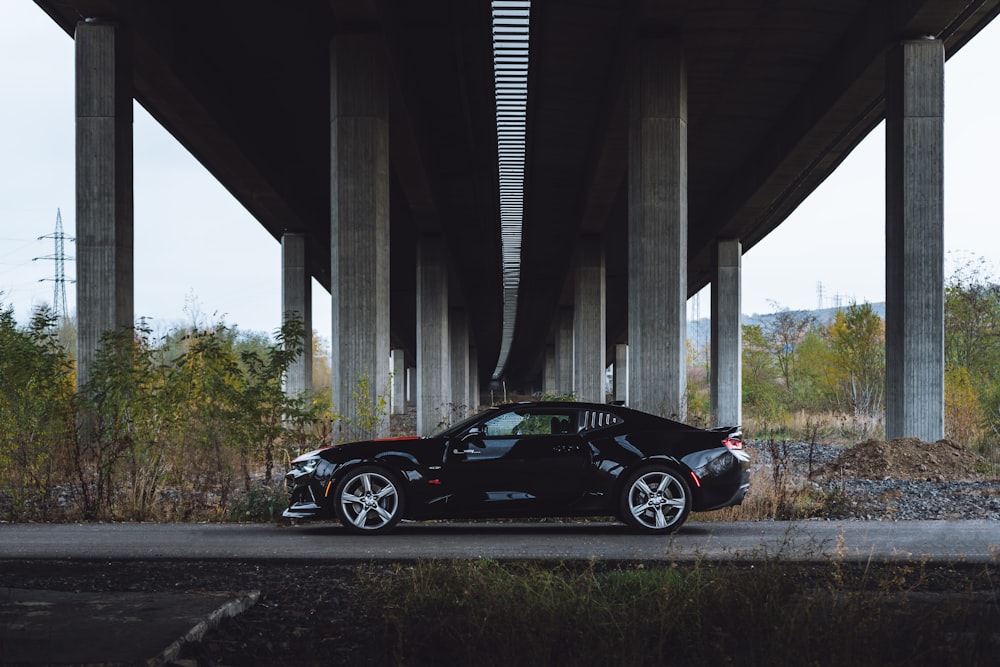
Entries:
{"x":307,"y":466}
{"x":303,"y":467}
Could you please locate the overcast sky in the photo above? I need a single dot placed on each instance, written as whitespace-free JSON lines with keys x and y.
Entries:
{"x":199,"y":256}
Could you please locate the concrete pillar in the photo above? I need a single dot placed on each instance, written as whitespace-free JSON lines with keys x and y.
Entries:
{"x":727,"y":335}
{"x":398,"y":381}
{"x":359,"y":228}
{"x":914,"y":235}
{"x":588,"y":322}
{"x":433,"y":347}
{"x":104,"y":222}
{"x":458,"y":334}
{"x":657,"y":229}
{"x":621,"y":373}
{"x":474,"y":400}
{"x":296,"y":299}
{"x":411,"y":385}
{"x":549,"y":371}
{"x":564,"y":351}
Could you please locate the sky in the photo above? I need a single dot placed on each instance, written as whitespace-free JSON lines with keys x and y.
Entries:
{"x":200,"y":257}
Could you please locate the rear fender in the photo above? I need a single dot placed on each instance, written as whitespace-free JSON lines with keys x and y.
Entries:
{"x":679,"y":466}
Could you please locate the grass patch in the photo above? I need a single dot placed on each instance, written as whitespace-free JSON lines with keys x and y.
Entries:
{"x":486,"y":612}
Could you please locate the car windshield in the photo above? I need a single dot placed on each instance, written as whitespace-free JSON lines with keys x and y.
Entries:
{"x":455,"y":429}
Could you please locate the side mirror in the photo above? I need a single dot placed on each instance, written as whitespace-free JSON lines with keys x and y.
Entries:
{"x":475,"y":434}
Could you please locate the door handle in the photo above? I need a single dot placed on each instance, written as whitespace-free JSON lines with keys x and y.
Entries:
{"x":463,"y":451}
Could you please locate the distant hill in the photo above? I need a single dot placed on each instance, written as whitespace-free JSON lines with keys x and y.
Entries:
{"x":699,"y":330}
{"x":824,"y":316}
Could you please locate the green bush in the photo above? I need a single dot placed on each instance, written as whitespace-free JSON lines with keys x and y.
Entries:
{"x":261,"y":502}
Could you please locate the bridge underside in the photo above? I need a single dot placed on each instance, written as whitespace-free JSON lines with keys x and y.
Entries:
{"x":778,"y":95}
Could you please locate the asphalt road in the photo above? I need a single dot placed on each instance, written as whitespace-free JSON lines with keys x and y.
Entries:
{"x":939,"y":541}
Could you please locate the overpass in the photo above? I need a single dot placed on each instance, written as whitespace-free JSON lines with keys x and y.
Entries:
{"x":664,"y":139}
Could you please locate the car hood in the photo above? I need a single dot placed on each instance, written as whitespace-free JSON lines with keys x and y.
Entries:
{"x":349,"y":445}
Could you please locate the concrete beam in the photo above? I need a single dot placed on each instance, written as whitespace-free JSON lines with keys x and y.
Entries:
{"x":104,"y":212}
{"x":727,"y":335}
{"x":658,"y":228}
{"x":359,"y":229}
{"x":296,"y":299}
{"x":914,"y":234}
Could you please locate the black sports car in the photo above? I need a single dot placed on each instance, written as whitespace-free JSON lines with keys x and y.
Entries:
{"x":542,"y":459}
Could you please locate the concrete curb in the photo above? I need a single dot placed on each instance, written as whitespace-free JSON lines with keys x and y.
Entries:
{"x":228,"y":610}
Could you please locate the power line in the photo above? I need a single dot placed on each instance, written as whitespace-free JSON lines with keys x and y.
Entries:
{"x":59,"y":290}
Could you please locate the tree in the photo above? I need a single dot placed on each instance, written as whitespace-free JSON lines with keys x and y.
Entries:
{"x":760,"y":391}
{"x":119,"y":454}
{"x":857,"y":371}
{"x":203,"y":389}
{"x":37,"y":415}
{"x":266,"y":408}
{"x":811,"y":361}
{"x":972,"y":357}
{"x":963,"y":415}
{"x":783,"y":333}
{"x":972,"y":322}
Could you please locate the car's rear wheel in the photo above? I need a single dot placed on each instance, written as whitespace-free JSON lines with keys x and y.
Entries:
{"x":655,"y":499}
{"x":369,"y":500}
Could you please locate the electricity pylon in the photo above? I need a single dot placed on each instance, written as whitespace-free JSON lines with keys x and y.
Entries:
{"x":59,"y":291}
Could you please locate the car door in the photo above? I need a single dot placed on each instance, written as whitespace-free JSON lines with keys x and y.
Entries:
{"x":522,"y":461}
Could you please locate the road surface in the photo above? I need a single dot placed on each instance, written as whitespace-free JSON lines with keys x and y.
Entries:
{"x":940,"y":541}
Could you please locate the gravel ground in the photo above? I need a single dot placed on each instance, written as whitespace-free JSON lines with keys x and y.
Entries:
{"x":903,"y":485}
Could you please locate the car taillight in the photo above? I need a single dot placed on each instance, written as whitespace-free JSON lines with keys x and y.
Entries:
{"x":733,"y":443}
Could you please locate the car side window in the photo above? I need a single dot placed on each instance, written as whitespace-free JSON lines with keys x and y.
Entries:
{"x":502,"y":425}
{"x":529,"y":423}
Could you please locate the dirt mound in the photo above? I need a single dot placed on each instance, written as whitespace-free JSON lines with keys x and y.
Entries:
{"x":904,"y":458}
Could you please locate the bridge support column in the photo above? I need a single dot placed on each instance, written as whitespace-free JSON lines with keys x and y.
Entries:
{"x":411,"y":385}
{"x":296,"y":299}
{"x":458,"y":333}
{"x":621,"y":373}
{"x":398,"y":404}
{"x":474,"y":400}
{"x":564,"y":351}
{"x":914,"y":231}
{"x":104,"y":212}
{"x":657,"y":229}
{"x":359,"y":227}
{"x":589,"y":349}
{"x":549,"y":371}
{"x":433,"y":347}
{"x":727,"y":335}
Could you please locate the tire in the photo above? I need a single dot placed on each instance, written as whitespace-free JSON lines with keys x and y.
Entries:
{"x":369,"y":500}
{"x":655,"y":499}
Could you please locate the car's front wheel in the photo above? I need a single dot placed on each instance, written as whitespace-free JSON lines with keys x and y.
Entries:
{"x":369,"y":500}
{"x":655,"y":499}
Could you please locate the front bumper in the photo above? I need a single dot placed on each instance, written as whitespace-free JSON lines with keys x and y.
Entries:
{"x":303,"y":503}
{"x":303,"y":511}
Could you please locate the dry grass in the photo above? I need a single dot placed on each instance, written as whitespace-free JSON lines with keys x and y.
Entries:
{"x":491,"y":613}
{"x":780,"y":497}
